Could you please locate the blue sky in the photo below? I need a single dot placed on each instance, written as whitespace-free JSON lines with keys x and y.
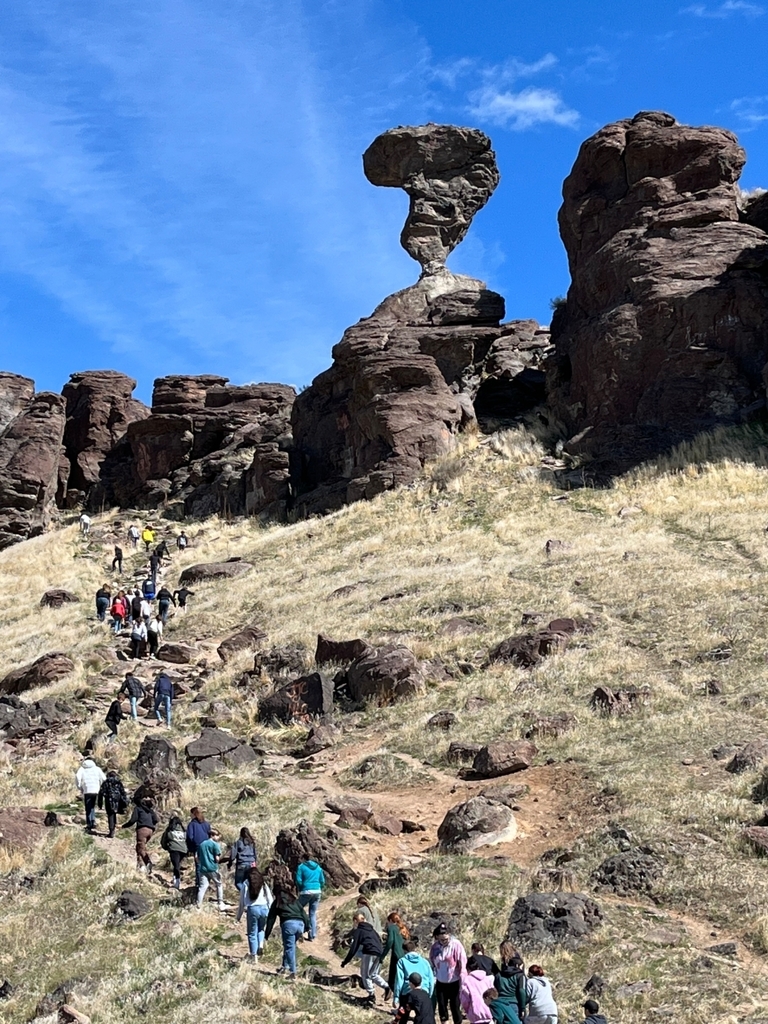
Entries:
{"x":181,"y":187}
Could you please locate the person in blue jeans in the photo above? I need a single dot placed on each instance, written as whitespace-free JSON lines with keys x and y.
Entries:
{"x":134,"y":688}
{"x":163,"y":694}
{"x":103,"y":601}
{"x":293,"y":923}
{"x":310,"y":881}
{"x":255,"y":900}
{"x":198,"y":830}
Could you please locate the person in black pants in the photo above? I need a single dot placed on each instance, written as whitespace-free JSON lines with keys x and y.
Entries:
{"x":113,"y":798}
{"x":118,"y":559}
{"x":114,"y":718}
{"x":174,"y":842}
{"x":449,"y":962}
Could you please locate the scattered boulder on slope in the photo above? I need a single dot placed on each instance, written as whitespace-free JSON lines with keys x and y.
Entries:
{"x":292,"y":843}
{"x":543,"y":919}
{"x":176,"y":653}
{"x":155,"y":752}
{"x":613,"y":703}
{"x":19,"y":720}
{"x":57,"y":597}
{"x":46,"y":669}
{"x":385,"y":674}
{"x":628,"y":873}
{"x":751,"y":755}
{"x":664,"y":332}
{"x":132,"y":905}
{"x":476,"y":822}
{"x":247,"y":639}
{"x":339,"y":651}
{"x":206,"y":571}
{"x":307,"y":697}
{"x":526,"y":650}
{"x":504,"y":757}
{"x":216,"y":749}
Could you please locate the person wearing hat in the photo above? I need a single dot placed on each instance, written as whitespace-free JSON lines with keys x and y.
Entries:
{"x":208,"y":857}
{"x":449,"y":962}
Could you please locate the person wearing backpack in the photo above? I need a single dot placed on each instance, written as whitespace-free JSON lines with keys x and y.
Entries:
{"x":310,"y":881}
{"x":138,"y":639}
{"x":134,"y":689}
{"x":174,"y":842}
{"x":103,"y":601}
{"x":154,"y":635}
{"x":163,"y":694}
{"x":148,"y":589}
{"x":113,"y":798}
{"x":114,"y":718}
{"x":242,"y":854}
{"x":255,"y":901}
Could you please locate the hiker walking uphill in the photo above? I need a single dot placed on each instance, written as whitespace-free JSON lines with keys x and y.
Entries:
{"x":88,"y":779}
{"x":449,"y":962}
{"x":367,"y":945}
{"x":163,"y":694}
{"x":135,"y":604}
{"x":138,"y":639}
{"x":154,"y":635}
{"x":474,"y":985}
{"x":182,"y":541}
{"x":542,"y":1008}
{"x":310,"y":881}
{"x":134,"y":689}
{"x":510,"y":981}
{"x":164,"y":601}
{"x":103,"y":601}
{"x":182,"y":595}
{"x":154,"y":565}
{"x":255,"y":901}
{"x":85,"y":524}
{"x":198,"y":830}
{"x":113,"y":798}
{"x":119,"y":611}
{"x":208,"y":857}
{"x":145,"y":819}
{"x":397,"y":935}
{"x":174,"y":842}
{"x":409,"y":963}
{"x":148,"y":536}
{"x":162,"y":550}
{"x":117,"y":561}
{"x":242,"y":855}
{"x":133,"y":535}
{"x":293,"y":922}
{"x":113,"y":718}
{"x":364,"y":907}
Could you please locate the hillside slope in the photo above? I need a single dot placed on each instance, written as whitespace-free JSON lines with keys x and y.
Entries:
{"x":669,"y":568}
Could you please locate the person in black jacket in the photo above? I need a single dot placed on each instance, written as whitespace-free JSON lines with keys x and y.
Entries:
{"x":366,"y":943}
{"x":113,"y":798}
{"x":114,"y":718}
{"x":182,"y":595}
{"x":154,"y":565}
{"x":162,"y":550}
{"x":480,"y":962}
{"x":103,"y":601}
{"x":134,"y":689}
{"x":592,"y":1013}
{"x":145,"y":819}
{"x":164,"y":600}
{"x":416,"y":1006}
{"x":136,"y":606}
{"x":117,"y":561}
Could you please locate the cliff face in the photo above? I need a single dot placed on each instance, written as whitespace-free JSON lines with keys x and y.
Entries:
{"x":664,"y":332}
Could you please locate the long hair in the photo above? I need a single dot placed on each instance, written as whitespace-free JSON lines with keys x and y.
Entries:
{"x":246,"y":836}
{"x":509,"y":954}
{"x":363,"y":902}
{"x":394,"y":918}
{"x":255,"y":882}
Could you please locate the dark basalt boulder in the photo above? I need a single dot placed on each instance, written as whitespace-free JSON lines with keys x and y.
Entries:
{"x":628,"y":873}
{"x":208,"y":571}
{"x":47,"y":669}
{"x":308,"y":697}
{"x":56,"y":598}
{"x":216,"y":749}
{"x":250,"y":638}
{"x":476,"y":822}
{"x":292,"y":843}
{"x":664,"y":332}
{"x":385,"y":674}
{"x":544,"y":919}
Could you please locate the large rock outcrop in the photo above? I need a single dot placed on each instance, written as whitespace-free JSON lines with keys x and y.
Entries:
{"x":404,"y":380}
{"x":664,"y":332}
{"x":207,"y":447}
{"x":100,"y":408}
{"x":30,"y":452}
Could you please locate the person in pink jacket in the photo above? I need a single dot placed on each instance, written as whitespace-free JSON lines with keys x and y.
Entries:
{"x":473,"y":986}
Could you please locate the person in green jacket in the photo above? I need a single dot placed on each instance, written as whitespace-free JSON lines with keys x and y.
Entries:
{"x":397,"y":934}
{"x":510,"y":982}
{"x":293,"y":923}
{"x":501,"y":1012}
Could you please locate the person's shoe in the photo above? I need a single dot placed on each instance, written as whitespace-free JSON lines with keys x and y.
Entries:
{"x":280,"y":970}
{"x":143,"y":868}
{"x":150,"y":868}
{"x":260,"y":951}
{"x":293,"y":977}
{"x":387,"y":994}
{"x":110,"y":835}
{"x":177,"y":883}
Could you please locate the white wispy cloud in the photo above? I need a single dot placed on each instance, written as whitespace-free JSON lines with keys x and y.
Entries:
{"x":520,"y":110}
{"x":725,"y":10}
{"x":751,"y":112}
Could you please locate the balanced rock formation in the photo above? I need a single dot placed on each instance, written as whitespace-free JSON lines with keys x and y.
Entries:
{"x":30,"y":452}
{"x":404,"y":380}
{"x":207,"y":447}
{"x":100,"y":408}
{"x":664,"y":332}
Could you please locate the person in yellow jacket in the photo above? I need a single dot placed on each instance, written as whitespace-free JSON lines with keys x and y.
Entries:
{"x":148,"y":536}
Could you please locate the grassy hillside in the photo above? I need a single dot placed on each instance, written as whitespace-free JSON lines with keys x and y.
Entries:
{"x":670,"y":566}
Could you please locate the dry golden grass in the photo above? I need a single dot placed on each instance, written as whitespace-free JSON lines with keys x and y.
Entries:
{"x":670,"y":563}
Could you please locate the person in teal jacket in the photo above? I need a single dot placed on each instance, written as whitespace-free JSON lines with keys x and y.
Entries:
{"x":410,"y":963}
{"x":310,"y":881}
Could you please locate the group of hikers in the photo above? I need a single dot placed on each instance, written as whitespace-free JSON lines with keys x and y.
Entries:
{"x":444,"y":979}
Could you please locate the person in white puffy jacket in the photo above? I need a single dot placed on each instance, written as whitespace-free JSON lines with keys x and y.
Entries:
{"x":88,"y":780}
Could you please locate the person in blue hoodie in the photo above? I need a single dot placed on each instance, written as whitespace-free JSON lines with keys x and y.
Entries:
{"x":410,"y":963}
{"x":310,"y":881}
{"x":198,"y":830}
